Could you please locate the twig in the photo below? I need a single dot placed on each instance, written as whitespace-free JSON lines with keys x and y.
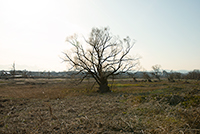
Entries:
{"x":50,"y":109}
{"x":162,"y":128}
{"x":130,"y":126}
{"x":41,"y":119}
{"x":194,"y":121}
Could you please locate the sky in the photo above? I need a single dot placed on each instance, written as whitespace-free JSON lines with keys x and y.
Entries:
{"x":33,"y":32}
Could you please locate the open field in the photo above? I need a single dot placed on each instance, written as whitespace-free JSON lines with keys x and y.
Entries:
{"x":58,"y":106}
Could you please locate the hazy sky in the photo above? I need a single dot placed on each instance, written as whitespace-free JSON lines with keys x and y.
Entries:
{"x":33,"y":32}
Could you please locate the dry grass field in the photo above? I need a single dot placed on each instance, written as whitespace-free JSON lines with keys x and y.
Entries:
{"x":58,"y":106}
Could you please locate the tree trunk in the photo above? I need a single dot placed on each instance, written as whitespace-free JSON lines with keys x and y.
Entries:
{"x":158,"y":77}
{"x":103,"y":86}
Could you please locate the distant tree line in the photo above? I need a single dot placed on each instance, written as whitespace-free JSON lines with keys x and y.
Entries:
{"x":155,"y":75}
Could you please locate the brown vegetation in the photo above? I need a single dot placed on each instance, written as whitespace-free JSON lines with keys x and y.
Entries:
{"x":57,"y":106}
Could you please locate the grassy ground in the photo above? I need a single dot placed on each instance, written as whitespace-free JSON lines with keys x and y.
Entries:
{"x":58,"y":106}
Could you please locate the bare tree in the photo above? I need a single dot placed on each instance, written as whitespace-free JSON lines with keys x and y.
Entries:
{"x":156,"y":71}
{"x":170,"y":76}
{"x":132,"y":75}
{"x":195,"y":74}
{"x":178,"y":75}
{"x":102,"y":56}
{"x":13,"y":72}
{"x":146,"y":76}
